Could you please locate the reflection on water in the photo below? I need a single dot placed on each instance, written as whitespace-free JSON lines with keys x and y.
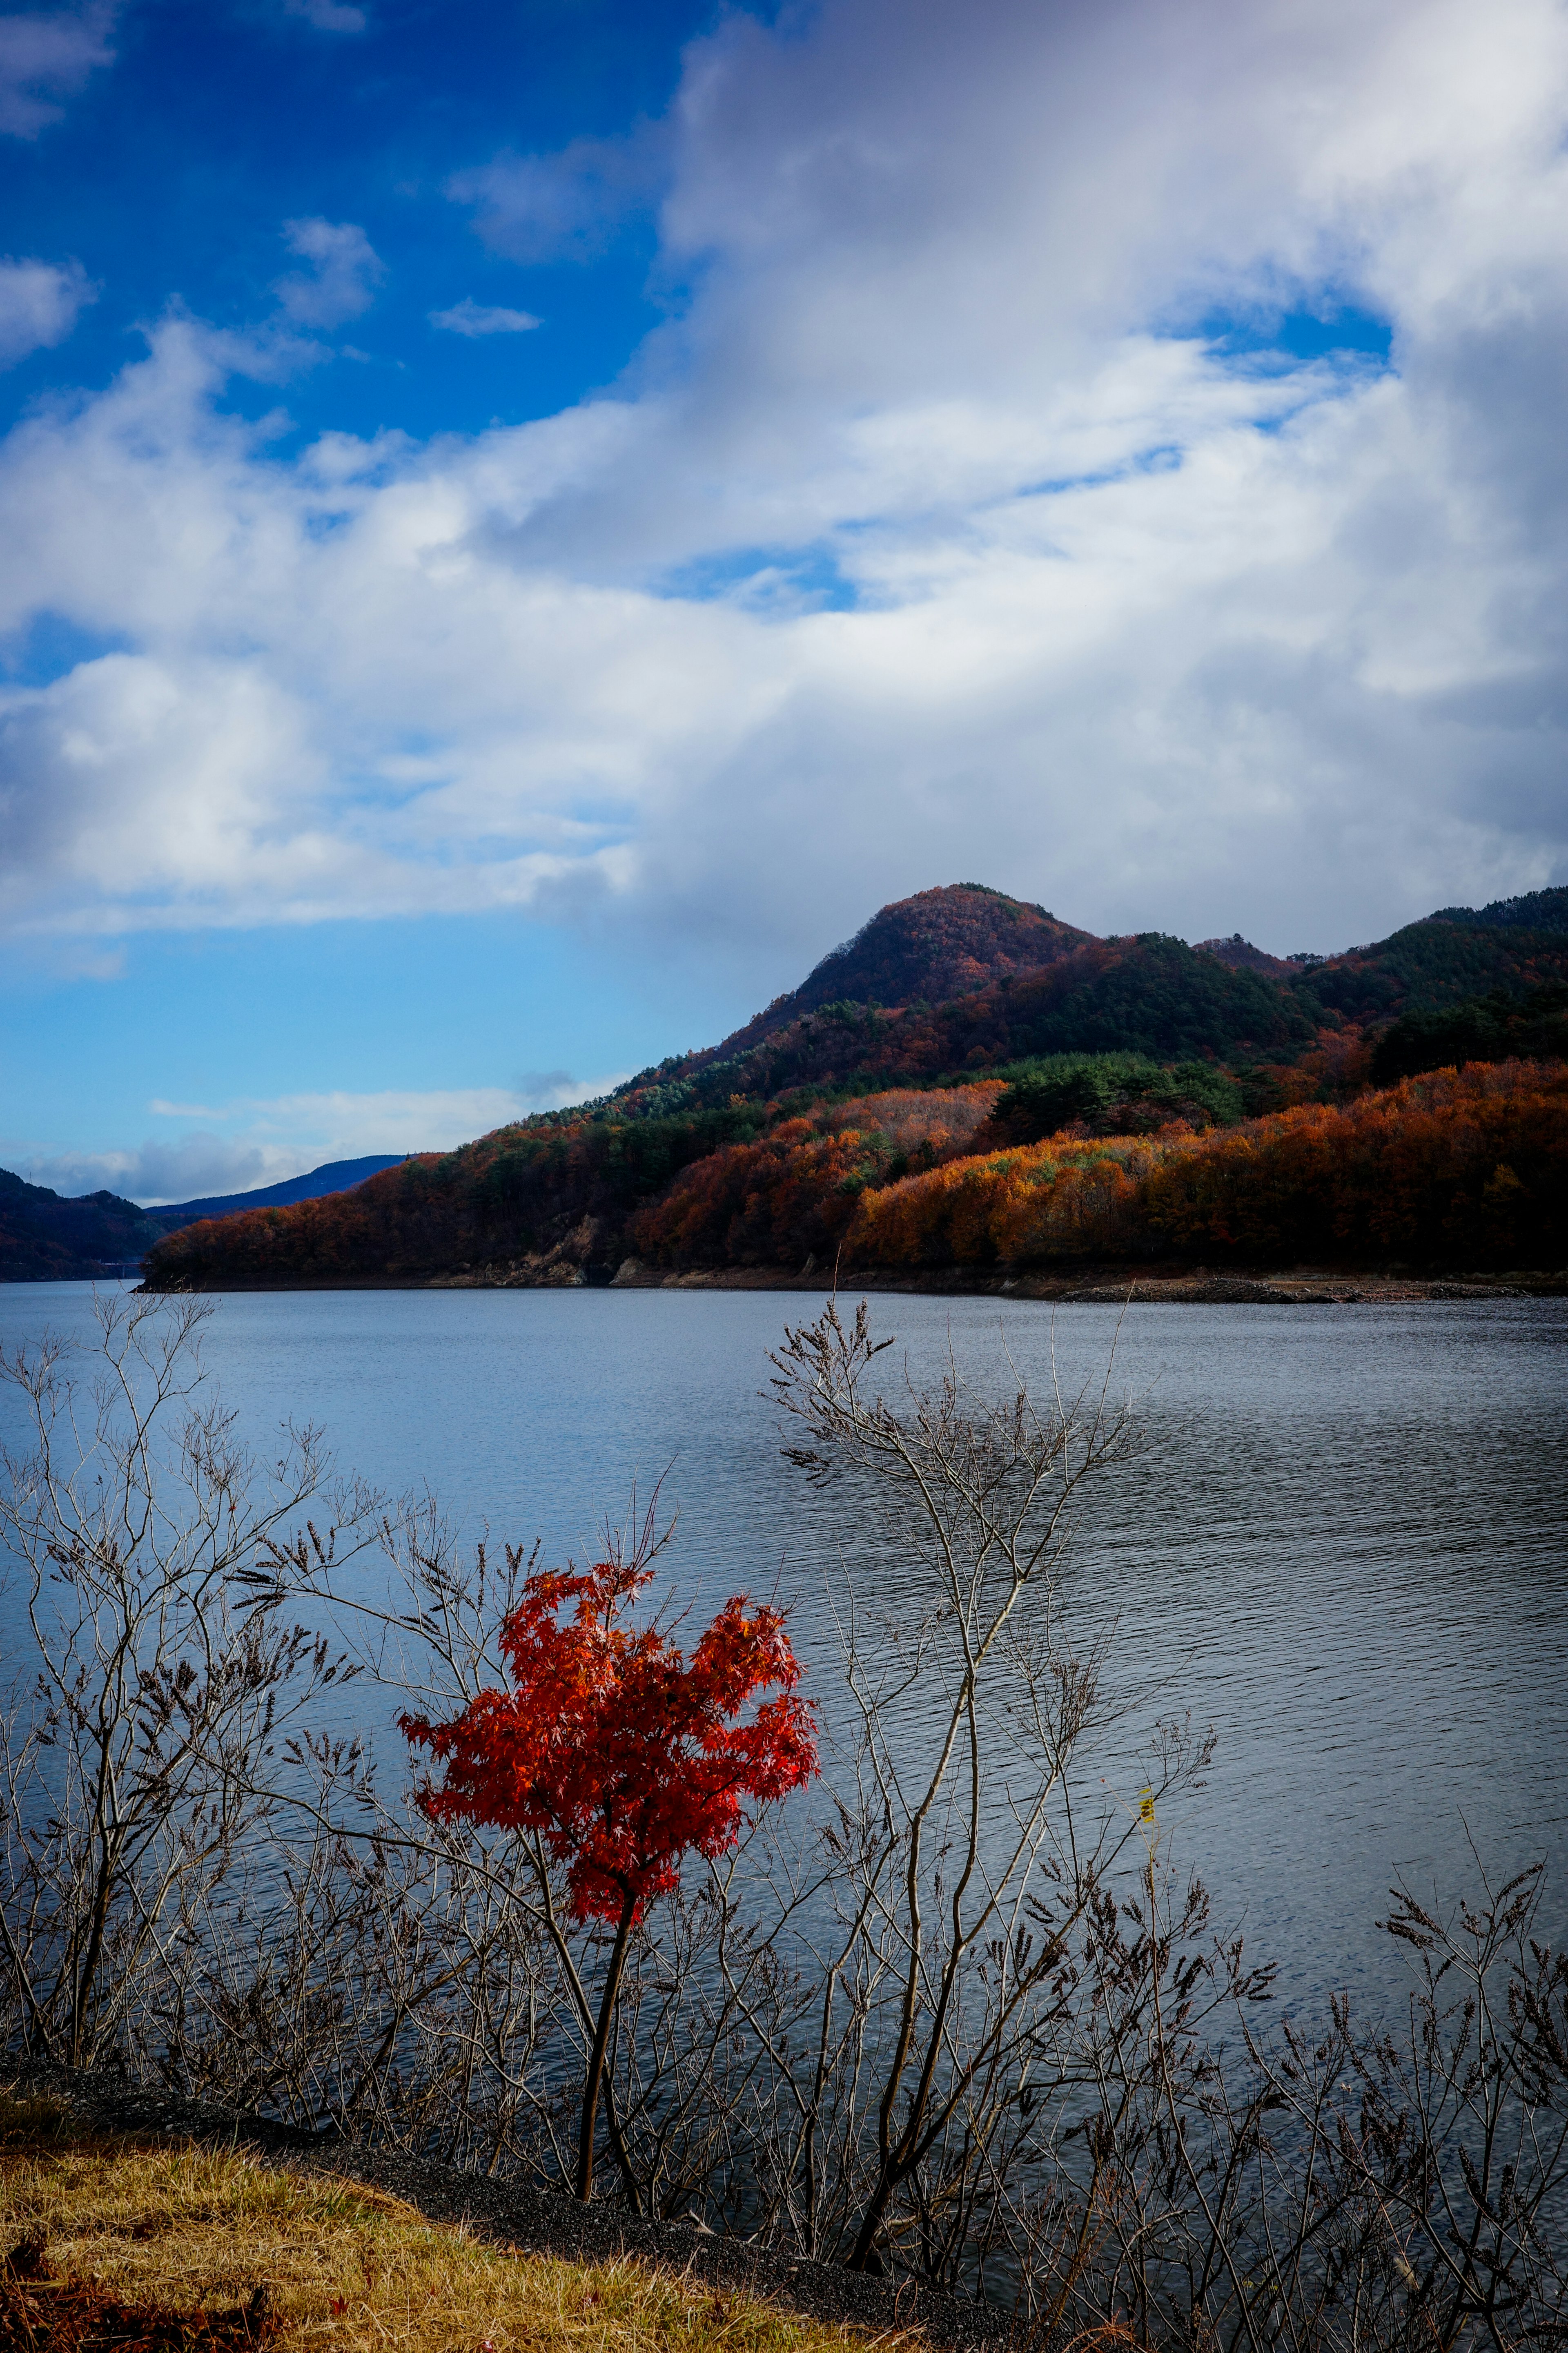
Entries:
{"x":1344,"y":1540}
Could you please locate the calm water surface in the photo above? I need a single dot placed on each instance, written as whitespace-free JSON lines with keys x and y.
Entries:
{"x":1344,"y":1543}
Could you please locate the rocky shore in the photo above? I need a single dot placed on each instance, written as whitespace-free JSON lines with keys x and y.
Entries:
{"x":1105,"y":1285}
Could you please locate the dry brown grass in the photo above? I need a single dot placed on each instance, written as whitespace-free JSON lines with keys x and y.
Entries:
{"x":347,"y":2268}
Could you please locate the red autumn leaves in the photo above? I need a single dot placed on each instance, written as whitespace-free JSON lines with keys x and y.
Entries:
{"x":622,"y":1754}
{"x":1454,"y":1167}
{"x":1464,"y":1167}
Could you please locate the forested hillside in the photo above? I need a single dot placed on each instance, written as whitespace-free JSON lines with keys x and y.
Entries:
{"x":939,"y":944}
{"x":1120,"y":1098}
{"x":1146,"y":993}
{"x":47,"y":1238}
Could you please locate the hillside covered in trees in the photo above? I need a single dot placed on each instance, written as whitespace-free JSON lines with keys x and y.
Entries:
{"x":47,"y":1237}
{"x":1004,"y":1091}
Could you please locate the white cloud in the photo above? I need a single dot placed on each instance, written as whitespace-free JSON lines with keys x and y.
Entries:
{"x":45,"y":57}
{"x":470,"y":318}
{"x":327,"y":16}
{"x":932,"y":537}
{"x":196,"y":1166}
{"x":235,"y":1146}
{"x":571,"y":205}
{"x":39,"y":305}
{"x":344,"y":274}
{"x":341,"y":1125}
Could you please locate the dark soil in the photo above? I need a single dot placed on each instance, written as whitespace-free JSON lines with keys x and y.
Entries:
{"x":39,"y":2314}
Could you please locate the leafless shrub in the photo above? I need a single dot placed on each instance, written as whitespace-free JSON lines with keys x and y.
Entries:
{"x":1426,"y":2166}
{"x":134,"y":1769}
{"x":959,"y":2022}
{"x":954,"y":1971}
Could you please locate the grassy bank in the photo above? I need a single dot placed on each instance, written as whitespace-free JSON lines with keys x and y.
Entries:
{"x":112,"y":2241}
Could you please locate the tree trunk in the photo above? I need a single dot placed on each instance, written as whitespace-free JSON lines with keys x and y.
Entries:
{"x":595,"y":2074}
{"x":863,"y":2256}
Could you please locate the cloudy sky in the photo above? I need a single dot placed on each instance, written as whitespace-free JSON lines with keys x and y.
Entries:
{"x":524,"y":521}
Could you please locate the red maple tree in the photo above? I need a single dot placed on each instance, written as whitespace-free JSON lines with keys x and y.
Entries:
{"x":622,"y":1754}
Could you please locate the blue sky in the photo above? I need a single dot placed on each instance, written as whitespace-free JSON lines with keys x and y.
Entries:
{"x":522,"y":524}
{"x":170,"y":175}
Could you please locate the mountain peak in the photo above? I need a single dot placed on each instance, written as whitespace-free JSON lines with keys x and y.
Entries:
{"x":940,"y":944}
{"x":1242,"y":957}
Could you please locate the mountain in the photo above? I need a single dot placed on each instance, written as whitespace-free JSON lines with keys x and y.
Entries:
{"x":1145,"y":992}
{"x":1503,"y":1025}
{"x":47,"y":1238}
{"x":1149,"y":994}
{"x":959,"y":1025}
{"x":940,"y":944}
{"x":1536,"y":911}
{"x":1242,"y":957}
{"x":332,"y":1177}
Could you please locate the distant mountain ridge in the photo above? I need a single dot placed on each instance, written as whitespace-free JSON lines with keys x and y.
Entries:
{"x":332,"y":1177}
{"x":757,"y":1151}
{"x":48,"y":1237}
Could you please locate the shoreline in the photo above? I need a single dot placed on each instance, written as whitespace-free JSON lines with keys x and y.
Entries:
{"x":513,"y":2213}
{"x":1101,"y":1285}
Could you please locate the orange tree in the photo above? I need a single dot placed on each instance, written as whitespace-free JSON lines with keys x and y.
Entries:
{"x":622,"y":1754}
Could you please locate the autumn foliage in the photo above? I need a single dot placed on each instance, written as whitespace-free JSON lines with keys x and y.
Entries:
{"x":791,"y":1195}
{"x":621,"y":1756}
{"x":1452,"y":1168}
{"x":621,"y":1753}
{"x":1467,"y":1168}
{"x":795,"y":1139}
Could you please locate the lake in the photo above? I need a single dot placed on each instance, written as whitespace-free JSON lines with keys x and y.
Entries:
{"x":1344,"y":1541}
